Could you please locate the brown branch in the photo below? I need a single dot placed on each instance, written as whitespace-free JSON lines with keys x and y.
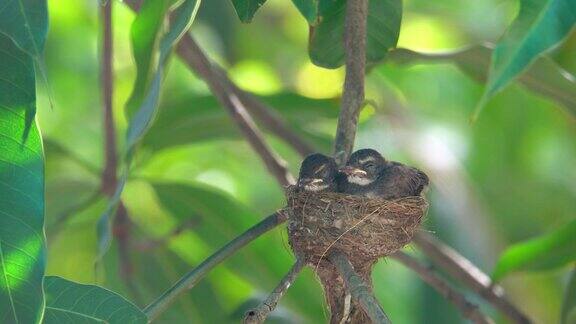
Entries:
{"x":360,"y":291}
{"x":121,"y":224}
{"x":259,"y":314}
{"x":271,"y":121}
{"x":464,"y":271}
{"x":197,"y":61}
{"x":353,"y":94}
{"x":468,"y":310}
{"x":189,"y":280}
{"x":107,"y":88}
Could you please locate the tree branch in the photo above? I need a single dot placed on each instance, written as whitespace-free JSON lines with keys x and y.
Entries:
{"x":359,"y":290}
{"x":197,"y":61}
{"x":107,"y":88}
{"x":259,"y":314}
{"x":121,"y":227}
{"x":271,"y":121}
{"x":193,"y":277}
{"x":353,"y":94}
{"x":468,"y":274}
{"x":468,"y":310}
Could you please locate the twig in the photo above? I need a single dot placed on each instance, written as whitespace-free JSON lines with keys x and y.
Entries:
{"x":468,"y":310}
{"x":269,"y":120}
{"x":353,"y":94}
{"x":359,"y":290}
{"x":107,"y":84}
{"x":197,"y":61}
{"x":193,"y":277}
{"x":121,"y":225}
{"x":468,"y":274}
{"x":258,"y":315}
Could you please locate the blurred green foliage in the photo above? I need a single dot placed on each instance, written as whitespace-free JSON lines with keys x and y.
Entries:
{"x":195,"y":184}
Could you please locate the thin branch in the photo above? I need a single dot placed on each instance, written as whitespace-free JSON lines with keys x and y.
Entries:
{"x":359,"y":290}
{"x":468,"y":310}
{"x":193,"y":277}
{"x":121,"y":227}
{"x":468,"y":274}
{"x":353,"y":94}
{"x":268,"y":118}
{"x":260,"y":313}
{"x":197,"y":61}
{"x":107,"y":88}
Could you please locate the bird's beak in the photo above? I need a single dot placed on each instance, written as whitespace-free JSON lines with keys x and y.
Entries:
{"x":348,"y":170}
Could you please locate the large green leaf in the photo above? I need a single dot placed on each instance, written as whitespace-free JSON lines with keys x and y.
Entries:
{"x":22,"y":247}
{"x":539,"y":26}
{"x":145,"y":35}
{"x":245,"y":9}
{"x":71,"y":302}
{"x":548,"y":251}
{"x":543,"y":77}
{"x":182,"y":18}
{"x":183,"y":120}
{"x":26,"y":23}
{"x":569,"y":304}
{"x":326,"y":48}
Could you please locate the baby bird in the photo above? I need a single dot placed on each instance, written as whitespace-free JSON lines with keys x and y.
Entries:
{"x":317,"y":173}
{"x":368,"y":174}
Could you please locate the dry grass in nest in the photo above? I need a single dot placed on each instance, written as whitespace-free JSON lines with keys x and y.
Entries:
{"x":362,"y":228}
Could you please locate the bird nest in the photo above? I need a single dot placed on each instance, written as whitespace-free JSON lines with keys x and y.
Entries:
{"x":364,"y":229}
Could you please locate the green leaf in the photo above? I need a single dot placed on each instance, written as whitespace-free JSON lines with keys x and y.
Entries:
{"x":188,"y":119}
{"x":543,"y":77}
{"x":539,"y":26}
{"x":308,"y":9}
{"x":568,"y":314}
{"x":326,"y":48}
{"x":545,"y":252}
{"x":183,"y":16}
{"x":245,"y":9}
{"x":26,"y":23}
{"x":22,"y":247}
{"x":71,"y":302}
{"x":145,"y":35}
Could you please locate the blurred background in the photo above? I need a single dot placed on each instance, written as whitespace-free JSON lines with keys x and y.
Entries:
{"x":196,"y":184}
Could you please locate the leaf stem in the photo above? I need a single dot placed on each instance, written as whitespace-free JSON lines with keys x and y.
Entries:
{"x":198,"y":62}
